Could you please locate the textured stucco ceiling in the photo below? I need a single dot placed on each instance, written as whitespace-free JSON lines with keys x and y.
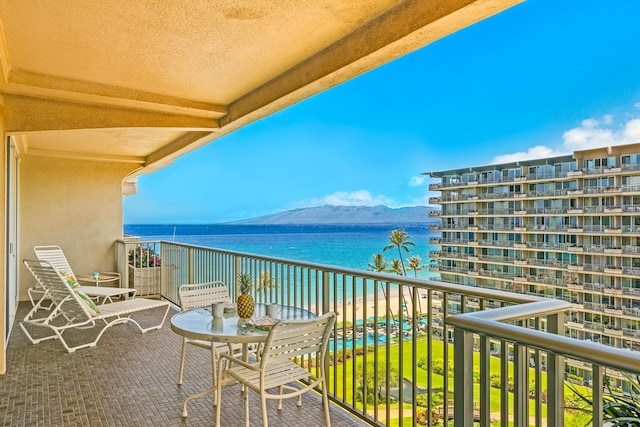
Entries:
{"x":146,"y":81}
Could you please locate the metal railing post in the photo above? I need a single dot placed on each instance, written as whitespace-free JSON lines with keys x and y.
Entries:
{"x":191,"y":264}
{"x":462,"y":379}
{"x":555,"y":375}
{"x":326,"y":295}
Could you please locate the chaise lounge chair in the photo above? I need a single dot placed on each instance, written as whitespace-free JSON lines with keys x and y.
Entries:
{"x":72,"y":309}
{"x":56,"y":257}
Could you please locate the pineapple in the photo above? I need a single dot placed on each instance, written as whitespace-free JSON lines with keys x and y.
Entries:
{"x":245,"y":302}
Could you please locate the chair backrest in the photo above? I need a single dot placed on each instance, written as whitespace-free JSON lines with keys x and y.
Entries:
{"x":293,"y":338}
{"x":202,"y":294}
{"x":59,"y":292}
{"x":55,"y":256}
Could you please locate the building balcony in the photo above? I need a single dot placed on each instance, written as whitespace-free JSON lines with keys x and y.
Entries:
{"x":613,"y":230}
{"x":434,"y":227}
{"x":611,"y":331}
{"x":628,"y":332}
{"x":614,"y":251}
{"x":435,"y":186}
{"x":613,"y":291}
{"x":127,"y":368}
{"x":434,"y":213}
{"x":631,"y":291}
{"x":434,"y":200}
{"x":575,"y":325}
{"x":613,"y":270}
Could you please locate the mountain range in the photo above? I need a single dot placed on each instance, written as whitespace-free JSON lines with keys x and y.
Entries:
{"x":347,"y":215}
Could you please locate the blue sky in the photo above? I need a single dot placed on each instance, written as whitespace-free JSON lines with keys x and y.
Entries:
{"x":542,"y":78}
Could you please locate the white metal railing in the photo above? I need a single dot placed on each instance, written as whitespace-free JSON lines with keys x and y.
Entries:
{"x":383,"y":345}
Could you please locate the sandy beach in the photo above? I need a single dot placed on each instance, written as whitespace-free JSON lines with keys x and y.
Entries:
{"x":365,"y":309}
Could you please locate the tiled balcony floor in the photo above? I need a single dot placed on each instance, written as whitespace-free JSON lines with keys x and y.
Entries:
{"x":128,"y":379}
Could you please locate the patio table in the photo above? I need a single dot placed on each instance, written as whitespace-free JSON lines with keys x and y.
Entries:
{"x":198,"y":323}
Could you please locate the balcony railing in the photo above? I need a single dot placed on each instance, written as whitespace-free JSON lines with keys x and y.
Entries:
{"x":403,"y":348}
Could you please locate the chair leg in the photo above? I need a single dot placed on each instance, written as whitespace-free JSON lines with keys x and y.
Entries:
{"x":263,"y":404}
{"x":214,"y":378}
{"x":325,"y":401}
{"x":245,"y":396}
{"x":184,"y":350}
{"x":280,"y":390}
{"x":216,"y":397}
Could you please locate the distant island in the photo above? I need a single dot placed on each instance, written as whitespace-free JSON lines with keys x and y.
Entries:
{"x":346,"y":215}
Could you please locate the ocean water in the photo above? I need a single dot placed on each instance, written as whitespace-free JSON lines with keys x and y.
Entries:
{"x":351,"y":246}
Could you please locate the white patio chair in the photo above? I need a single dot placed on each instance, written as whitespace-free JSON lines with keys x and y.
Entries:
{"x":72,"y":309}
{"x":195,"y":296}
{"x":56,"y":257}
{"x":289,"y":342}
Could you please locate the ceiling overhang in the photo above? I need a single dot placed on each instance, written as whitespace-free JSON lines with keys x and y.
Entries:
{"x":145,"y":82}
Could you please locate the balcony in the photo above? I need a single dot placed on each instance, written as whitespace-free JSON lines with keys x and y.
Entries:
{"x":129,"y":379}
{"x":397,"y":333}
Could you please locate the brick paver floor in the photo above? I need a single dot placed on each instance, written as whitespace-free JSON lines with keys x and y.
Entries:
{"x":128,"y":379}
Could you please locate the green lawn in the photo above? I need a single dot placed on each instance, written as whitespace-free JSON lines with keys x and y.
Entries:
{"x":345,"y":372}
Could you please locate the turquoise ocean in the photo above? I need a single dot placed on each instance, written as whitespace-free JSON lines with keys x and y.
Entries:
{"x":351,"y":246}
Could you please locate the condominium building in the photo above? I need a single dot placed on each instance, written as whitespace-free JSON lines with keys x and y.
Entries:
{"x":565,"y":227}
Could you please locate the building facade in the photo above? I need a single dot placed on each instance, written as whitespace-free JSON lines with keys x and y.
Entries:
{"x":564,"y":227}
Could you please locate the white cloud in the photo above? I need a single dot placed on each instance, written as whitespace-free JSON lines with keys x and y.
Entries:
{"x":417,"y":181}
{"x":537,"y":152}
{"x":595,"y":133}
{"x":591,"y":133}
{"x":355,"y":198}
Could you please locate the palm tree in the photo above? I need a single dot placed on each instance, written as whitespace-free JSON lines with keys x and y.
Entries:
{"x":396,"y":267}
{"x":414,"y":264}
{"x":380,"y":265}
{"x":266,"y":283}
{"x":399,"y":238}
